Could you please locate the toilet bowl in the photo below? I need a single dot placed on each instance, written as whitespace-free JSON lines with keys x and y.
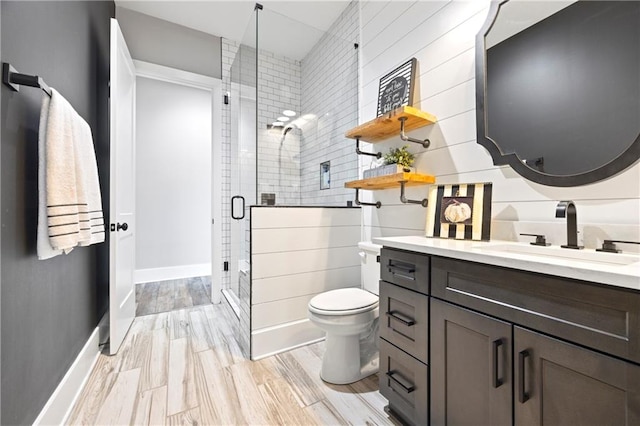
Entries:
{"x":349,"y":316}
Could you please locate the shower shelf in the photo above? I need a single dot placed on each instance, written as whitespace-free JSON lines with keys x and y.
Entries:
{"x":397,"y":180}
{"x":391,"y":124}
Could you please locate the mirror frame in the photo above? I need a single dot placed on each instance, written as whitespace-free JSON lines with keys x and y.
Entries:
{"x":615,"y":166}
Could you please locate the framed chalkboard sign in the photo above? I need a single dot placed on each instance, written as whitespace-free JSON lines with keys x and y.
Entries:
{"x":396,"y":88}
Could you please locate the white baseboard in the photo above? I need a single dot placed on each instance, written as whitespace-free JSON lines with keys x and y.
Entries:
{"x":171,"y":273}
{"x":284,"y":337}
{"x":287,"y":349}
{"x":58,"y":407}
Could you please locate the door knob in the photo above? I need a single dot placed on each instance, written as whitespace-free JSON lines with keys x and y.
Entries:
{"x":122,"y":226}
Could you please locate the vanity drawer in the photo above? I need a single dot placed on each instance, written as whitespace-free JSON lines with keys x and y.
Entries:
{"x":598,"y":316}
{"x":406,"y":269}
{"x":404,"y":319}
{"x":404,"y":381}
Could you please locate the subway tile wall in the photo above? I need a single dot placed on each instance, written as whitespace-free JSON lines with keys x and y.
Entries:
{"x":323,"y":90}
{"x":330,"y":98}
{"x":278,"y":154}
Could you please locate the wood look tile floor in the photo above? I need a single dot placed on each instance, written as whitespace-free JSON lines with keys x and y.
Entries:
{"x":165,"y":296}
{"x":186,"y":368}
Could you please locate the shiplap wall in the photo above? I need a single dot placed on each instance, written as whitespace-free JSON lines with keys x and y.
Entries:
{"x":441,"y":35}
{"x":297,"y":253}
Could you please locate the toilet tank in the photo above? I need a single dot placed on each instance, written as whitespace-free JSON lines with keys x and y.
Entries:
{"x":370,"y":268}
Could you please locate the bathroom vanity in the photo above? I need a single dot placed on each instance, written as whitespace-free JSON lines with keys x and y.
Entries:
{"x":507,"y":333}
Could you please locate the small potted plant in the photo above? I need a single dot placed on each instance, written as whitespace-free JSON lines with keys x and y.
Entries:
{"x":397,"y":160}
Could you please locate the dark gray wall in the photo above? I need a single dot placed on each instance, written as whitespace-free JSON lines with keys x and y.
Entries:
{"x":48,"y":308}
{"x":161,"y":42}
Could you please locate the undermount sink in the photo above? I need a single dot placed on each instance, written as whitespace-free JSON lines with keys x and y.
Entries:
{"x":590,"y":256}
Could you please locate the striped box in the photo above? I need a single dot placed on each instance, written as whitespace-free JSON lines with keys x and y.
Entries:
{"x":469,"y":217}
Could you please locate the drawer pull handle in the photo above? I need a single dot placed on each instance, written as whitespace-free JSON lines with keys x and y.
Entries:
{"x":497,"y":381}
{"x":523,"y":396}
{"x":401,"y":268}
{"x":399,"y":317}
{"x":407,"y":386}
{"x":406,"y":271}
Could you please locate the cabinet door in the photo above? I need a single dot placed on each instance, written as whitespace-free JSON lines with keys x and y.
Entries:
{"x":470,"y":368}
{"x":558,"y":383}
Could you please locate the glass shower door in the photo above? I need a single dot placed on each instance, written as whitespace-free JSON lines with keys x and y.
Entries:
{"x":243,"y":186}
{"x":242,"y":169}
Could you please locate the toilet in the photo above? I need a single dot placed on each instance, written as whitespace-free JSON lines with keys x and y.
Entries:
{"x":349,"y":316}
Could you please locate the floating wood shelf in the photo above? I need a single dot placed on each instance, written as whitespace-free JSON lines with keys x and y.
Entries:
{"x":388,"y":125}
{"x":391,"y":181}
{"x":397,"y":180}
{"x":393,"y":123}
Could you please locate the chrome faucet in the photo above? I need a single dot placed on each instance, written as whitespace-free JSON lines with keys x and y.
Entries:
{"x":568,"y":209}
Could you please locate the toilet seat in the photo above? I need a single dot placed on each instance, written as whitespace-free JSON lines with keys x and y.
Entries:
{"x":343,"y":301}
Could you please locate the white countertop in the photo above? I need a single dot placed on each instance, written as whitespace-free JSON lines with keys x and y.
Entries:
{"x":602,"y":268}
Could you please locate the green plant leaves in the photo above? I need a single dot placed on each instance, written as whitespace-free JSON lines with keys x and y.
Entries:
{"x":399,"y":156}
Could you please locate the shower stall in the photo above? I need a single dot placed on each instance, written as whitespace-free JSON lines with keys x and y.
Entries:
{"x":292,"y":92}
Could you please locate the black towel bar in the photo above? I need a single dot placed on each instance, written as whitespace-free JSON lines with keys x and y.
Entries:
{"x":14,"y":79}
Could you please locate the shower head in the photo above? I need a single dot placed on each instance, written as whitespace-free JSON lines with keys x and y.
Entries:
{"x":289,"y":127}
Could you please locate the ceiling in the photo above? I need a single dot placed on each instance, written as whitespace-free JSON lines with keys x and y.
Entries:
{"x":289,"y":28}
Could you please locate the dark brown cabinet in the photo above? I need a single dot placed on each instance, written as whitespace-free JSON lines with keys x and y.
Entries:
{"x":404,"y":334}
{"x":557,"y":383}
{"x":465,"y":343}
{"x":471,"y":365}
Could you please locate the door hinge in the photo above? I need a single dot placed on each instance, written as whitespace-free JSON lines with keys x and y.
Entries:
{"x":226,"y":98}
{"x":212,"y":221}
{"x":225,"y":266}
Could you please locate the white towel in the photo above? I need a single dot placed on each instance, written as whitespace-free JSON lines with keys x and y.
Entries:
{"x":74,"y":204}
{"x":91,"y":231}
{"x":45,"y":251}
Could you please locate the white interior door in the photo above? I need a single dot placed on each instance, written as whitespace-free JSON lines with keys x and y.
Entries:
{"x":122,"y":303}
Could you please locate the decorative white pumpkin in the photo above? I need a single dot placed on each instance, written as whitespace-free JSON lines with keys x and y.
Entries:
{"x":457,"y":212}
